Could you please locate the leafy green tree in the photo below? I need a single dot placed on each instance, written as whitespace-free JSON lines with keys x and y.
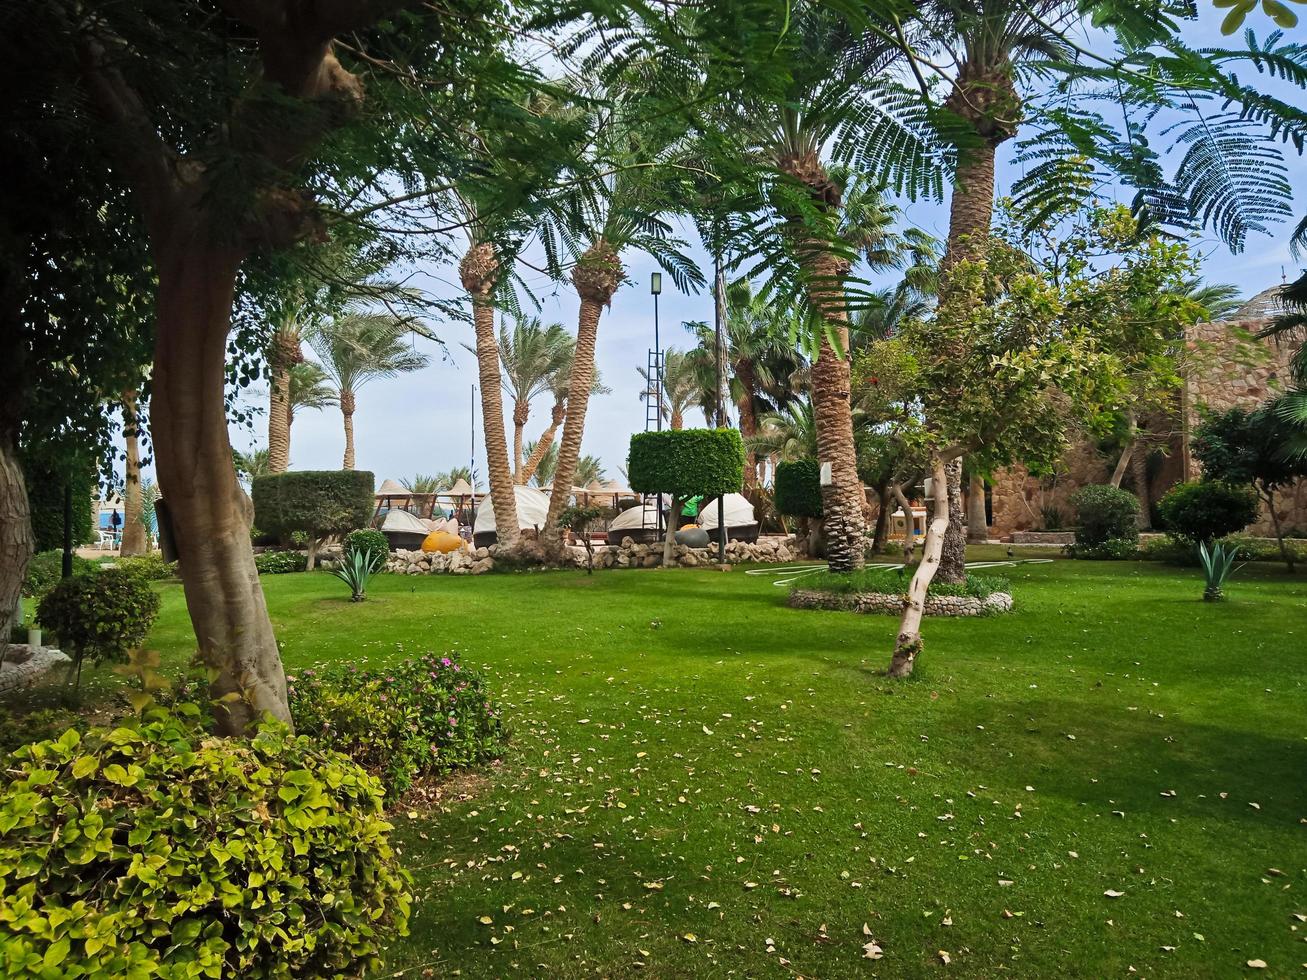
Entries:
{"x":1251,"y":449}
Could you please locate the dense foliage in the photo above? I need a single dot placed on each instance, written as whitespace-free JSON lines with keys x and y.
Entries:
{"x":45,"y":497}
{"x":156,"y":850}
{"x":1206,"y":510}
{"x":798,"y":488}
{"x":317,"y":502}
{"x":686,"y":462}
{"x":1105,"y":513}
{"x":99,"y":617}
{"x":423,"y":717}
{"x":366,"y":539}
{"x":45,"y":569}
{"x":149,"y":567}
{"x":1110,"y":549}
{"x":280,"y":562}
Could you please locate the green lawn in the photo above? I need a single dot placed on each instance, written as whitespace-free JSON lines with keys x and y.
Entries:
{"x":704,"y":782}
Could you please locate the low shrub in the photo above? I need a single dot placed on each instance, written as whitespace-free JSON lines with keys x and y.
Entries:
{"x":1205,"y":511}
{"x":1175,"y":552}
{"x":892,"y":581}
{"x":20,"y":728}
{"x":46,"y":568}
{"x":99,"y":617}
{"x":423,"y":717}
{"x":1105,"y":513}
{"x":280,"y":562}
{"x":366,"y":539}
{"x":156,"y":850}
{"x":149,"y":568}
{"x":1113,"y":549}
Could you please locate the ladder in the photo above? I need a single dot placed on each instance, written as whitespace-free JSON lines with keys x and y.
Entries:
{"x":653,"y":398}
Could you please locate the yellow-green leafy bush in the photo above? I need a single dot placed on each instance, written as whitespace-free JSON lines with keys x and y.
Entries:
{"x":156,"y":850}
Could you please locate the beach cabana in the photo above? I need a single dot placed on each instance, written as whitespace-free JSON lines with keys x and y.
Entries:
{"x":403,"y":530}
{"x":741,"y":523}
{"x":532,"y":509}
{"x":640,"y":524}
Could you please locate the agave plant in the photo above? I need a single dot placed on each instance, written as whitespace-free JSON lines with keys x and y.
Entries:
{"x":356,"y":568}
{"x":1217,"y":566}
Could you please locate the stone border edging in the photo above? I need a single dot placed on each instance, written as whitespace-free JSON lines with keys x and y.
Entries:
{"x":887,"y":602}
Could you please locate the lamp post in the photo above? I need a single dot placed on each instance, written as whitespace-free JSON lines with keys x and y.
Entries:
{"x":718,"y":353}
{"x":656,"y":287}
{"x":472,"y":450}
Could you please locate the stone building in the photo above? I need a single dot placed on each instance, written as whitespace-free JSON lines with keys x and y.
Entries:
{"x":1227,"y":365}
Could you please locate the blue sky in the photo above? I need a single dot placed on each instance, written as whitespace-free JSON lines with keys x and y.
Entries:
{"x":419,"y":423}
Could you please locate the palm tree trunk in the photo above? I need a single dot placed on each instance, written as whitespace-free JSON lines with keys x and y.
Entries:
{"x":285,"y":352}
{"x":678,"y":422}
{"x":347,"y":413}
{"x":135,"y":538}
{"x":883,"y":497}
{"x":1140,"y":466}
{"x":977,"y":521}
{"x":596,"y":276}
{"x":543,"y":443}
{"x":502,"y":496}
{"x":521,"y":415}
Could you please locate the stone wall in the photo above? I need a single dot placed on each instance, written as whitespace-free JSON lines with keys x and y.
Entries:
{"x":1227,"y":366}
{"x":767,"y":550}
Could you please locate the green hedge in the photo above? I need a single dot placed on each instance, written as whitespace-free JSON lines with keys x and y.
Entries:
{"x":686,"y":462}
{"x":317,"y":502}
{"x":1207,"y":510}
{"x":798,"y":488}
{"x":1105,"y":513}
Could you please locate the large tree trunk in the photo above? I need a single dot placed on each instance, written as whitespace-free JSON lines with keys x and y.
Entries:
{"x":906,"y":506}
{"x":669,"y":540}
{"x":977,"y":520}
{"x":908,"y":645}
{"x":503,"y":499}
{"x":953,"y":556}
{"x":543,"y":443}
{"x":284,"y":354}
{"x":1285,"y":553}
{"x":135,"y":537}
{"x":211,"y":515}
{"x":16,"y":539}
{"x":347,"y":415}
{"x":596,"y":276}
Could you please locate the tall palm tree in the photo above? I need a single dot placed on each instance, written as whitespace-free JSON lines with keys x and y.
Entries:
{"x":682,"y":386}
{"x":759,"y":356}
{"x":530,"y":356}
{"x":284,"y":354}
{"x":559,"y":384}
{"x":307,"y":387}
{"x":545,"y":457}
{"x":357,"y":348}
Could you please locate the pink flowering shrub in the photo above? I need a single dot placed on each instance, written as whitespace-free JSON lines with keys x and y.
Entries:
{"x":426,"y":716}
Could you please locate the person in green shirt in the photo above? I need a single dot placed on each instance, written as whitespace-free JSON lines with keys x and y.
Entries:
{"x":690,"y":510}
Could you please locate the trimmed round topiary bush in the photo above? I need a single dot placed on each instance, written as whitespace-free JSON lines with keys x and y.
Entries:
{"x":99,"y":617}
{"x":686,"y":462}
{"x":423,"y":717}
{"x":365,"y":539}
{"x":798,"y":488}
{"x":157,"y":850}
{"x":316,"y":503}
{"x":1105,"y":513}
{"x":1204,"y":511}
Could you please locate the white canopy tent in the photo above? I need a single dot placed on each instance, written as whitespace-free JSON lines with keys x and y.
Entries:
{"x":741,"y":522}
{"x":640,"y":524}
{"x":532,"y":509}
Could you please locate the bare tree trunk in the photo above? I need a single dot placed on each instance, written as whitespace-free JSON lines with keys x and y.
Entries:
{"x":1285,"y":553}
{"x":211,"y":514}
{"x":503,"y":499}
{"x":311,"y":558}
{"x":878,"y":537}
{"x":543,"y":443}
{"x":744,"y":373}
{"x":1123,"y":463}
{"x":1140,"y":467}
{"x":977,"y":521}
{"x":347,"y":413}
{"x":16,"y":539}
{"x":135,"y":538}
{"x":596,"y":276}
{"x":669,"y":542}
{"x":842,"y":498}
{"x":908,"y":645}
{"x":285,"y":353}
{"x":953,"y":560}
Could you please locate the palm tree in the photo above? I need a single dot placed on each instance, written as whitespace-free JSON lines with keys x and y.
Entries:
{"x":682,"y":386}
{"x":357,"y":348}
{"x":545,"y":457}
{"x":759,"y":356}
{"x":256,"y":462}
{"x":421,"y":484}
{"x":786,"y":434}
{"x":1218,"y":300}
{"x":589,"y":469}
{"x":559,"y":384}
{"x":307,"y":387}
{"x":284,"y":354}
{"x":530,"y":355}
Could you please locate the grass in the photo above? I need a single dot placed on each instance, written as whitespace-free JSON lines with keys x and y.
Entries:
{"x":895,"y":582}
{"x":704,"y":782}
